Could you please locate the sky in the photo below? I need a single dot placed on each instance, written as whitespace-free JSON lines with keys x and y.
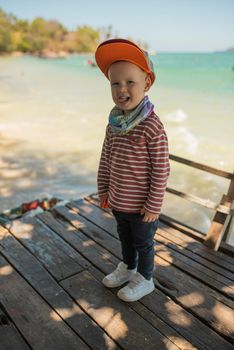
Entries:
{"x":166,"y":25}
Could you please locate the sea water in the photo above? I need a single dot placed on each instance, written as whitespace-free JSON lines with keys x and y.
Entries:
{"x":53,"y":115}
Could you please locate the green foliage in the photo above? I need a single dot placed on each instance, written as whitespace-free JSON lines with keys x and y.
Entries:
{"x":5,"y":32}
{"x":87,"y":39}
{"x":42,"y":37}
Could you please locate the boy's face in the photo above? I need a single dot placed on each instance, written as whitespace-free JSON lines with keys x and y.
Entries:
{"x":128,"y":85}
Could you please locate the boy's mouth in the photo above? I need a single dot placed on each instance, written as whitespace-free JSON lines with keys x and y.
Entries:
{"x":123,"y":99}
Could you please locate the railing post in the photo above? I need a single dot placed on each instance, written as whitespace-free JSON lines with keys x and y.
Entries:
{"x":216,"y":230}
{"x":229,"y":227}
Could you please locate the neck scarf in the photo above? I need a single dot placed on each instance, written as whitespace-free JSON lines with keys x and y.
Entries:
{"x":122,"y":124}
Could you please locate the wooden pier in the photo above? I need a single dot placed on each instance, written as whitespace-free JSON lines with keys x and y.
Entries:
{"x":51,"y":295}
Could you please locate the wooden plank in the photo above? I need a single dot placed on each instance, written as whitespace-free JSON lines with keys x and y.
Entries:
{"x":183,"y":322}
{"x":57,"y":256}
{"x":196,"y":297}
{"x":169,"y":332}
{"x":86,"y":226}
{"x":124,"y":325}
{"x":106,"y":262}
{"x":217,"y":280}
{"x":216,"y":232}
{"x":220,"y":259}
{"x":201,"y":166}
{"x":193,"y":283}
{"x":188,"y":250}
{"x":39,"y":324}
{"x":201,"y":272}
{"x":178,"y":288}
{"x":10,"y":338}
{"x":201,"y":201}
{"x":51,"y":291}
{"x":184,"y":240}
{"x":224,"y":247}
{"x":88,"y":248}
{"x":95,"y":214}
{"x":163,"y":327}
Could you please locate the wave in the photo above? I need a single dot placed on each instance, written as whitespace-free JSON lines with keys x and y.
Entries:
{"x":178,"y":116}
{"x":180,"y":137}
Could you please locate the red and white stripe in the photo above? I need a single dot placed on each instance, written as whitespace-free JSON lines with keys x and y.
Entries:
{"x":134,"y":168}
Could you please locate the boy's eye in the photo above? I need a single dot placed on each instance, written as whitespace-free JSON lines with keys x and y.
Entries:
{"x":114,"y":84}
{"x":130,"y":82}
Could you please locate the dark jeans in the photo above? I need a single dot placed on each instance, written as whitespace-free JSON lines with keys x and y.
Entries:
{"x":137,"y":242}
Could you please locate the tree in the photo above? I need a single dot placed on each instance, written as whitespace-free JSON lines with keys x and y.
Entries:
{"x":87,"y":39}
{"x":5,"y":33}
{"x":41,"y":36}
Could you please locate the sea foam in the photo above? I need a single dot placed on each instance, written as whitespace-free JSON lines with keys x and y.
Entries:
{"x":177,"y":116}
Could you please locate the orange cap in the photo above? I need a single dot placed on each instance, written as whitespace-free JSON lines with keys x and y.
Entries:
{"x":114,"y":50}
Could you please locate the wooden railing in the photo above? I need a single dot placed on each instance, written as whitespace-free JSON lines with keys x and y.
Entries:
{"x":224,"y":211}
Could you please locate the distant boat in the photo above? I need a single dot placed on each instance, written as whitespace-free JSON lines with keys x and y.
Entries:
{"x":91,"y":63}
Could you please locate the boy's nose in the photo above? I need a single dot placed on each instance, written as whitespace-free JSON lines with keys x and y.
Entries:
{"x":122,"y":88}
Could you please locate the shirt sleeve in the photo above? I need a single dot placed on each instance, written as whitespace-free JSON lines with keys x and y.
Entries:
{"x":160,"y":169}
{"x":103,"y":169}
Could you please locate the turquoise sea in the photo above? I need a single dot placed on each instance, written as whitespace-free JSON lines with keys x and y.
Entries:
{"x":53,"y":115}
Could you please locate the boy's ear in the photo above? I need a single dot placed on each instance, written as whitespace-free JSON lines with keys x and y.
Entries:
{"x":147,"y":83}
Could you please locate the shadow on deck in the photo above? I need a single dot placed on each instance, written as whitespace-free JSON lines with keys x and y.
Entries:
{"x":51,"y":295}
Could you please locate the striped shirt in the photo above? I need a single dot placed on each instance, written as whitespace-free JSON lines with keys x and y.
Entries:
{"x":134,"y":168}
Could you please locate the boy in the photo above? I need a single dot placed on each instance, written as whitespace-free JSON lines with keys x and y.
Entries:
{"x":134,"y":165}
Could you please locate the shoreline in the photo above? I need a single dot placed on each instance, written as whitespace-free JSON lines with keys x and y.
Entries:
{"x":46,"y":54}
{"x":63,"y":53}
{"x":27,"y":175}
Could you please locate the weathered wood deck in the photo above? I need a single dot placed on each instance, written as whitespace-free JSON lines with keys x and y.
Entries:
{"x":51,"y":295}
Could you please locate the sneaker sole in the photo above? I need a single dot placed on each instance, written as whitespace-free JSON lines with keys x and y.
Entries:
{"x":122,"y":297}
{"x":115,"y":285}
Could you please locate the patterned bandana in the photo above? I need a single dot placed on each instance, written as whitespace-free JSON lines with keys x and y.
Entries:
{"x":122,"y":124}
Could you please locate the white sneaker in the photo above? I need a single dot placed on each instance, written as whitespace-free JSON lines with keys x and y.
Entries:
{"x":119,"y":276}
{"x":137,"y":288}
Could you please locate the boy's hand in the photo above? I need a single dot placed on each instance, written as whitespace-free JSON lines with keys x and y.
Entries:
{"x":149,"y":217}
{"x":103,"y":201}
